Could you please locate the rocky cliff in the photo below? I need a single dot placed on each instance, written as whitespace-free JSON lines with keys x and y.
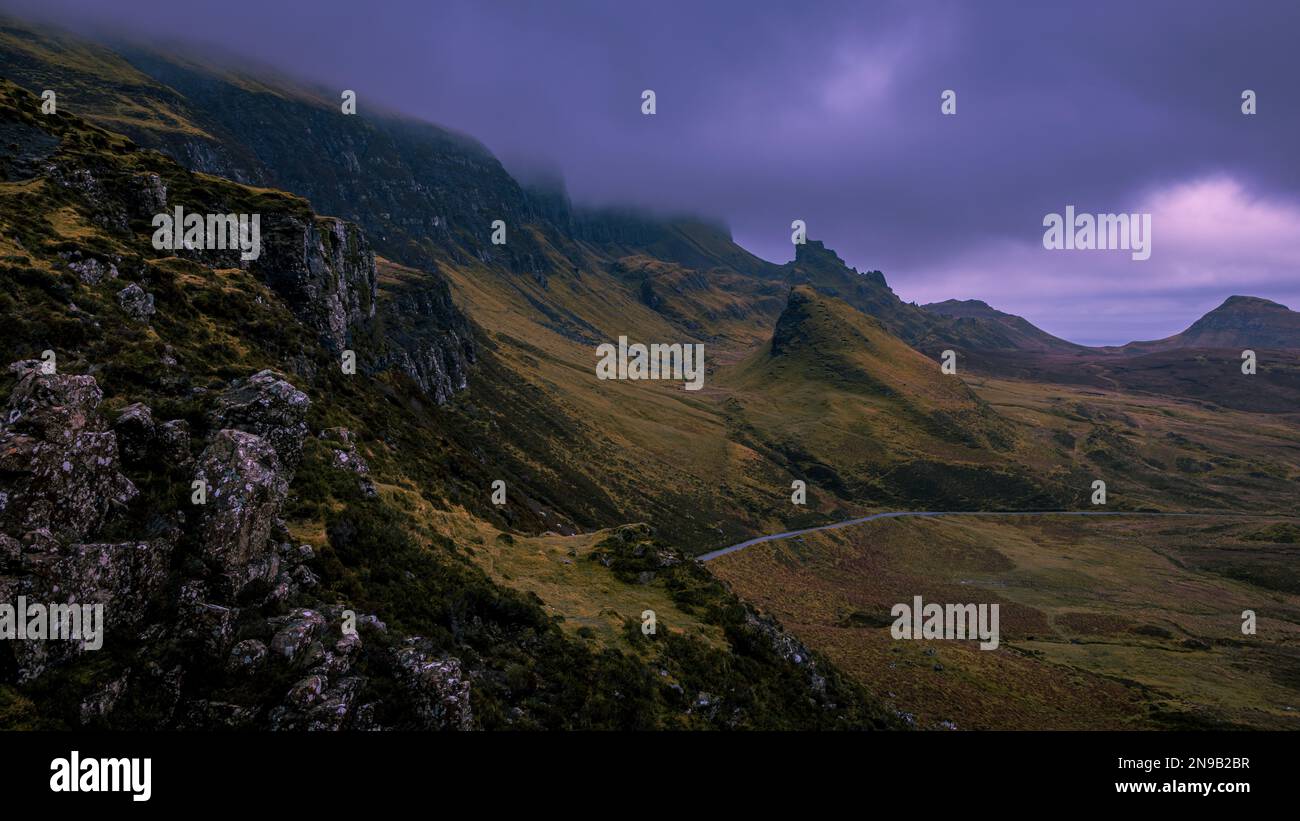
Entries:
{"x":181,"y":445}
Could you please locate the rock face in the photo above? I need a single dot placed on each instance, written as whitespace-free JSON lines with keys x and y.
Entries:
{"x":429,"y":339}
{"x":325,"y":270}
{"x":246,"y":487}
{"x":59,"y":466}
{"x":410,"y":183}
{"x":60,"y":480}
{"x":123,"y":579}
{"x":268,"y":406}
{"x":418,"y":192}
{"x":438,"y":687}
{"x":238,"y":600}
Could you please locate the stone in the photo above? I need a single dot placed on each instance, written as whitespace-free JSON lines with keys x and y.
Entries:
{"x":173,"y":444}
{"x":136,"y":302}
{"x":135,"y":432}
{"x":438,"y":688}
{"x":59,"y":466}
{"x":247,"y":656}
{"x":246,"y":488}
{"x":267,"y":405}
{"x":293,"y":641}
{"x":91,"y":271}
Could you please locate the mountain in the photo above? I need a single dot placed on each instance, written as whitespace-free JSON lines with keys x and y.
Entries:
{"x":966,"y":327}
{"x":821,"y":339}
{"x":860,"y":414}
{"x":990,"y":329}
{"x":376,"y":491}
{"x":816,"y":265}
{"x":181,"y":445}
{"x":1241,"y":322}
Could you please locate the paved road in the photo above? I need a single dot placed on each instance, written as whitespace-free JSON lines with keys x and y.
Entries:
{"x":897,"y":513}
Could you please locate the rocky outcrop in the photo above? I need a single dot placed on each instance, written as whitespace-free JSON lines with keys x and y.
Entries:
{"x":324,"y":269}
{"x":59,"y":465}
{"x":428,"y":339}
{"x":135,"y":432}
{"x":268,"y":406}
{"x":122,"y":579}
{"x":60,"y":481}
{"x":438,"y":688}
{"x":346,"y":457}
{"x":200,"y":597}
{"x":246,"y":488}
{"x":90,"y":270}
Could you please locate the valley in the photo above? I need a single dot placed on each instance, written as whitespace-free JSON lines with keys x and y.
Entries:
{"x":1112,"y":623}
{"x":479,"y":487}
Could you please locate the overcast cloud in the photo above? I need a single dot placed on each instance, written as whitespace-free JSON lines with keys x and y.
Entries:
{"x":829,"y":112}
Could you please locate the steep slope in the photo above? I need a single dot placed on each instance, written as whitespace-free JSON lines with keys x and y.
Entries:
{"x":143,"y":370}
{"x":514,"y":325}
{"x":963,"y":327}
{"x":819,"y":338}
{"x":863,"y":416}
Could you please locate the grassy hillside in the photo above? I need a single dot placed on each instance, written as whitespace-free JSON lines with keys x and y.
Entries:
{"x":1105,"y":624}
{"x":74,"y":217}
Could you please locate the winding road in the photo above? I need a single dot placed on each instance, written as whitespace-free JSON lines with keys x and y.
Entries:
{"x":707,"y":557}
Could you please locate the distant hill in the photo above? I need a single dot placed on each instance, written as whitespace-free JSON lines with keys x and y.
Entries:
{"x":816,"y":265}
{"x":1240,"y":322}
{"x":994,"y":329}
{"x":820,"y":343}
{"x":963,"y":326}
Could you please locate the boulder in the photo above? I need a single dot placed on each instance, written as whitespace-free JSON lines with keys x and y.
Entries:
{"x":173,"y":443}
{"x":90,"y":270}
{"x":135,"y":432}
{"x":59,"y":467}
{"x":248,"y":656}
{"x":52,"y":406}
{"x":136,"y":302}
{"x":293,"y":642}
{"x":266,"y":404}
{"x":437,"y":686}
{"x":335,"y":706}
{"x":246,"y":488}
{"x":211,"y":627}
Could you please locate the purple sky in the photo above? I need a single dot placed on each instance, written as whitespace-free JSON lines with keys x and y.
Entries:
{"x":829,"y":112}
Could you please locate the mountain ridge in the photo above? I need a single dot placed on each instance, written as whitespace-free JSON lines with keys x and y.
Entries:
{"x":1239,"y":322}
